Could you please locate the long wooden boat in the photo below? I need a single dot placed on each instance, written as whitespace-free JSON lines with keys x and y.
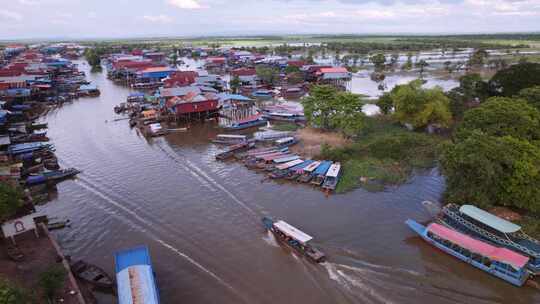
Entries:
{"x":135,"y":277}
{"x":486,"y":226}
{"x":282,"y":169}
{"x":320,"y":173}
{"x":295,"y":171}
{"x":286,"y":141}
{"x":294,"y":238}
{"x":53,"y":176}
{"x":306,"y":174}
{"x":92,"y":274}
{"x":250,"y":122}
{"x":234,"y":149}
{"x":332,"y":177}
{"x":229,"y":139}
{"x":499,"y":262}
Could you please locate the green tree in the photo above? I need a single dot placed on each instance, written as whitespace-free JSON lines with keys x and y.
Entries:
{"x":502,"y":116}
{"x":473,"y":86}
{"x":291,"y":69}
{"x":385,"y":103}
{"x":52,"y":281}
{"x":11,"y":199}
{"x":421,"y":66}
{"x":267,"y":75}
{"x":448,"y":66}
{"x":510,"y":81}
{"x":378,"y":61}
{"x":487,"y":170}
{"x":477,"y":58}
{"x":235,"y":84}
{"x":531,"y":95}
{"x":10,"y":294}
{"x":408,"y":65}
{"x":329,"y":109}
{"x":420,"y":107}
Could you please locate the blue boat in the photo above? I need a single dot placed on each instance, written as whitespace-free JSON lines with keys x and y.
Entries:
{"x":250,"y":122}
{"x":294,"y":172}
{"x":135,"y":277}
{"x":495,"y":230}
{"x":262,"y":94}
{"x":320,"y":173}
{"x":52,"y":176}
{"x":499,"y":262}
{"x":28,"y":147}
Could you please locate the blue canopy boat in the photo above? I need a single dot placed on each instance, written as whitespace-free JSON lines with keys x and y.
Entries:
{"x":486,"y":226}
{"x":499,"y":262}
{"x":307,"y":172}
{"x":332,"y":177}
{"x":320,"y":173}
{"x":294,"y":172}
{"x":135,"y":277}
{"x":52,"y":176}
{"x":24,"y":148}
{"x":294,"y":238}
{"x":253,"y":121}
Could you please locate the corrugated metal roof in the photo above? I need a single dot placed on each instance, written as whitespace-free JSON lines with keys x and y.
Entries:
{"x":293,"y":232}
{"x":334,"y":170}
{"x":489,"y":219}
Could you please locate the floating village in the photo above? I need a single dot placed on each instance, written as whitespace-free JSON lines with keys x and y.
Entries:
{"x":224,"y":88}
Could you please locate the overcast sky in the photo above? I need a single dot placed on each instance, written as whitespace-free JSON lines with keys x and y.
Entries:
{"x":22,"y":19}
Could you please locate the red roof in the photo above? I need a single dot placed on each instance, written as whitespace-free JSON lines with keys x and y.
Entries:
{"x":296,"y":63}
{"x":216,"y":59}
{"x":333,"y":70}
{"x":244,"y":72}
{"x":495,"y":253}
{"x":181,"y":78}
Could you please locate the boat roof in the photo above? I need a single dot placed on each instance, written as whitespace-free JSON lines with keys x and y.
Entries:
{"x":131,"y":257}
{"x":289,"y":164}
{"x":504,"y":255}
{"x":275,"y":156}
{"x":333,"y":171}
{"x":284,"y":140}
{"x":286,"y":159}
{"x":323,"y":167}
{"x":302,"y":165}
{"x":312,"y":166}
{"x":292,"y":232}
{"x":489,"y":219}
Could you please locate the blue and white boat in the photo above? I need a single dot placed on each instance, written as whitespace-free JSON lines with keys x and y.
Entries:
{"x":295,"y":171}
{"x":499,"y":262}
{"x":332,"y":177}
{"x":250,"y":122}
{"x":262,"y":94}
{"x":488,"y":227}
{"x":135,"y":277}
{"x":320,"y":173}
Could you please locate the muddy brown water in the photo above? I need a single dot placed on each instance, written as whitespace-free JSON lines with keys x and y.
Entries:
{"x":201,"y":221}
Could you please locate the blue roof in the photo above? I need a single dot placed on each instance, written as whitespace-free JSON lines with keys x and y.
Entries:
{"x":489,"y":219}
{"x":87,"y":87}
{"x":136,"y":94}
{"x":132,"y":257}
{"x":225,"y":96}
{"x":323,"y":167}
{"x":302,"y":165}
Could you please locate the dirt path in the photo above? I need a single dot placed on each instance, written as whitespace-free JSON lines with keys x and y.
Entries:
{"x":311,"y":141}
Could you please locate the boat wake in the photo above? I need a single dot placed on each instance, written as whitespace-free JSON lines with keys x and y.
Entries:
{"x":196,"y":172}
{"x":270,"y":239}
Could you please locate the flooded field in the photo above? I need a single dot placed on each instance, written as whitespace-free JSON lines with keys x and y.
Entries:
{"x":201,"y":220}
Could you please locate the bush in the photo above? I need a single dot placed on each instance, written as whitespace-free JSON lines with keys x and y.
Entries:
{"x":11,"y":199}
{"x":10,"y":294}
{"x":52,"y":280}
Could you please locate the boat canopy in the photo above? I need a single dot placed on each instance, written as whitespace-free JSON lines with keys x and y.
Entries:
{"x":135,"y":277}
{"x":289,"y":164}
{"x":292,"y":232}
{"x":284,"y":140}
{"x":503,"y":255}
{"x":311,"y":167}
{"x":270,"y":157}
{"x":489,"y":219}
{"x":323,"y":167}
{"x":334,"y":170}
{"x":301,"y":166}
{"x":286,"y":159}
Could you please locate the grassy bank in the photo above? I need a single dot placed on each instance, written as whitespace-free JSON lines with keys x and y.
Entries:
{"x":285,"y":127}
{"x":384,"y":154}
{"x":531,"y":226}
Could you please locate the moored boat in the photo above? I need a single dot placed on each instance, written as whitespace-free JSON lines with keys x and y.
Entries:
{"x":481,"y":224}
{"x":92,"y":274}
{"x":294,"y":238}
{"x":234,"y":149}
{"x":499,"y":262}
{"x":253,"y":121}
{"x":135,"y":277}
{"x":282,"y":169}
{"x":320,"y":173}
{"x":332,"y":177}
{"x":52,"y":176}
{"x":286,"y":141}
{"x":307,"y":172}
{"x":295,"y":171}
{"x":229,"y":139}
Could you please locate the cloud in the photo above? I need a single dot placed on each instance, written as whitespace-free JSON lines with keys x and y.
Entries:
{"x":10,"y":15}
{"x":28,"y":2}
{"x":158,"y":18}
{"x":186,"y":4}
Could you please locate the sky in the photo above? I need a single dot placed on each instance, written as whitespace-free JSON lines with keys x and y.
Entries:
{"x":40,"y":19}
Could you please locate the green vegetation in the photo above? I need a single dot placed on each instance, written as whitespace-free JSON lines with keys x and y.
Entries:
{"x":384,"y":153}
{"x":329,"y":109}
{"x":52,"y":280}
{"x":93,"y":56}
{"x":510,"y":81}
{"x":289,"y":127}
{"x":531,"y":95}
{"x":267,"y":74}
{"x":235,"y":84}
{"x":11,"y":294}
{"x":417,"y":106}
{"x":11,"y":199}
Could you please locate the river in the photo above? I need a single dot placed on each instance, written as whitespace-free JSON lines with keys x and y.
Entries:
{"x":201,"y":221}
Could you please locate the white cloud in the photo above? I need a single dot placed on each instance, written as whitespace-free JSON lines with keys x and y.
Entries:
{"x":28,"y":2}
{"x":186,"y":4}
{"x":10,"y":15}
{"x":158,"y":18}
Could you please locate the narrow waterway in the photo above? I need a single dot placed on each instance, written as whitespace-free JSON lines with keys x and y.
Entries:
{"x":201,"y":220}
